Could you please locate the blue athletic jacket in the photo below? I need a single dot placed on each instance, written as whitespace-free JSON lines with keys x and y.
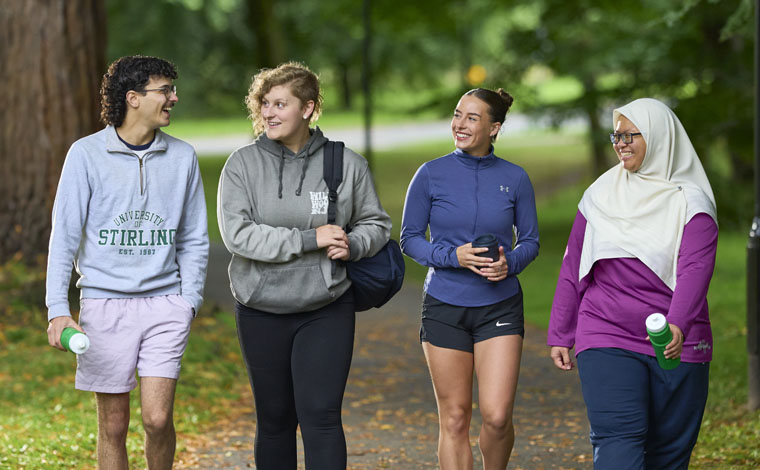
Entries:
{"x":460,"y":197}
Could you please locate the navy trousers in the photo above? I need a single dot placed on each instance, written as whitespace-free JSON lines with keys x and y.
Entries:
{"x":642,"y":417}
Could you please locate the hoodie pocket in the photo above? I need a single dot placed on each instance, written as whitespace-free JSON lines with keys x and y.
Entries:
{"x":291,"y":289}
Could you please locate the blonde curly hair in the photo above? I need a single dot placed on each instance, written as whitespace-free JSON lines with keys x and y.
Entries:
{"x":303,"y":83}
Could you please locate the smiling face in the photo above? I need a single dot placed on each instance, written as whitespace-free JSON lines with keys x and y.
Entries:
{"x":285,"y":117}
{"x":471,"y":126}
{"x":155,"y":107}
{"x":631,"y":155}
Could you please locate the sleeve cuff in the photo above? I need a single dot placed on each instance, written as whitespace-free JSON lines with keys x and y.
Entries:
{"x":59,"y":310}
{"x":353,"y":251}
{"x":309,"y":239}
{"x":195,"y":302}
{"x":682,"y":324}
{"x":453,"y":260}
{"x":510,"y":264}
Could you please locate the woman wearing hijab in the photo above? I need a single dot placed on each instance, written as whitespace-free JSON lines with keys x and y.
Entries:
{"x":643,"y":242}
{"x":295,"y":309}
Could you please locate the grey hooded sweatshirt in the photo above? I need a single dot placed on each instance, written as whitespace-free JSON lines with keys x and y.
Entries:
{"x":269,"y":205}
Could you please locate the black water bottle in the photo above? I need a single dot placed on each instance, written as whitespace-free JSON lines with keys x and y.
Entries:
{"x":489,"y":241}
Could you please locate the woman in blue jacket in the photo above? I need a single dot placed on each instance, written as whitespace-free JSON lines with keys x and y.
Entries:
{"x":472,"y":309}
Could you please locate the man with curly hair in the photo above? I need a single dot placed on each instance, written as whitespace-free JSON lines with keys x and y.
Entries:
{"x":130,"y":216}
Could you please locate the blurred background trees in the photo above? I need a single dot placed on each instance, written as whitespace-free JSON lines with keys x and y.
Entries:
{"x":560,"y":60}
{"x":52,"y":56}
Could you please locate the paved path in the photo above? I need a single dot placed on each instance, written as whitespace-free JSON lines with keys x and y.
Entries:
{"x":383,"y":137}
{"x":389,"y":408}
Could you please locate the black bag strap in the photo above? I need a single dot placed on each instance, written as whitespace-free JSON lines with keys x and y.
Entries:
{"x":333,"y":175}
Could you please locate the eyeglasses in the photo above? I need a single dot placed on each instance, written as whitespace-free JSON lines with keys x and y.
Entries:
{"x":627,"y":138}
{"x":167,"y":90}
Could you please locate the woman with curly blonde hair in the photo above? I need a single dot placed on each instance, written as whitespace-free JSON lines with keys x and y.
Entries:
{"x":295,"y":306}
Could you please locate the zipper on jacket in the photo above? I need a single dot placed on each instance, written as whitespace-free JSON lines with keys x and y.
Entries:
{"x":477,"y":198}
{"x":142,"y":188}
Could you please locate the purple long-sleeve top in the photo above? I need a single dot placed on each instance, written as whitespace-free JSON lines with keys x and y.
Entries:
{"x":608,"y":307}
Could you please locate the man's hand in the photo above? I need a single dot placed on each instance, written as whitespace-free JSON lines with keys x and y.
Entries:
{"x":56,"y":327}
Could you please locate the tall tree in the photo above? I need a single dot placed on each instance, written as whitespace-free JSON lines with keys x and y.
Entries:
{"x":697,"y":55}
{"x":53,"y":55}
{"x":270,"y":46}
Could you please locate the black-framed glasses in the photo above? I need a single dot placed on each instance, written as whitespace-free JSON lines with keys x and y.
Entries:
{"x":167,"y":90}
{"x":627,"y":138}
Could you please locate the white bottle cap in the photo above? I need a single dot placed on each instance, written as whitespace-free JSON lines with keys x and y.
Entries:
{"x":79,"y":343}
{"x":656,"y":322}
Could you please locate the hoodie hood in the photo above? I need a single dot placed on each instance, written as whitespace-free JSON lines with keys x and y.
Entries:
{"x":316,"y":141}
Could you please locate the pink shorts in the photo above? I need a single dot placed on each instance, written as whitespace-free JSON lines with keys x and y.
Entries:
{"x":147,"y":334}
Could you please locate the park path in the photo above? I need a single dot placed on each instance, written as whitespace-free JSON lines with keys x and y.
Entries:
{"x":389,"y":409}
{"x":383,"y":137}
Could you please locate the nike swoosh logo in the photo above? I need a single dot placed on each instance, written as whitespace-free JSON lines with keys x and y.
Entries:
{"x":502,"y":324}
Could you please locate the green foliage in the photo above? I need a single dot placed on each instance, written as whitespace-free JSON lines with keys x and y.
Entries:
{"x":695,"y":55}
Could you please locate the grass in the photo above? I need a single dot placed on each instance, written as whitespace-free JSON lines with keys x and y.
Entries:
{"x":333,"y":119}
{"x":46,"y":424}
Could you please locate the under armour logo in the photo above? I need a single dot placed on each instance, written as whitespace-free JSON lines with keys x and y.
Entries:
{"x":504,"y":189}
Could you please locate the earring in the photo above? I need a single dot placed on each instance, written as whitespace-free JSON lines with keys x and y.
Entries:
{"x":306,"y":116}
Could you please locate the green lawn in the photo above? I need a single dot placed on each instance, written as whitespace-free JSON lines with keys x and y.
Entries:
{"x":185,"y":128}
{"x":46,"y":424}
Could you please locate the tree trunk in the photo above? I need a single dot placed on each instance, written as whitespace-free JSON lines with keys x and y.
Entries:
{"x":591,"y":106}
{"x":52,"y":54}
{"x":345,"y":85}
{"x":266,"y":29}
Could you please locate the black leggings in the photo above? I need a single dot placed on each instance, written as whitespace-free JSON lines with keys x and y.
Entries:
{"x":298,"y":365}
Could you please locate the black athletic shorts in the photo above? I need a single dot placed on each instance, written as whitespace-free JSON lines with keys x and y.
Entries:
{"x":453,"y":327}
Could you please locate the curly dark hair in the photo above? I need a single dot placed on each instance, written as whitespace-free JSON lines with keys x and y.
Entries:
{"x":124,"y":74}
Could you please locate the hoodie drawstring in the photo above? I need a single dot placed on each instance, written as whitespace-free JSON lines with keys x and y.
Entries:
{"x":303,"y":169}
{"x":305,"y":166}
{"x":282,"y":165}
{"x":303,"y":175}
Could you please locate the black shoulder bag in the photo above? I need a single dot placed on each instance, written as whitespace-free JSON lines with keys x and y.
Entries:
{"x":376,"y":278}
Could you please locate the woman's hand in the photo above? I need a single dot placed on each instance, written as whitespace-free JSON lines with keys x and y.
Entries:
{"x":561,"y":357}
{"x":468,"y":258}
{"x":674,"y":348}
{"x":335,"y":252}
{"x":496,"y":271}
{"x":331,"y":236}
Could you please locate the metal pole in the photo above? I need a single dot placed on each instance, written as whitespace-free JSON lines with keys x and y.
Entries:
{"x":753,"y":250}
{"x":366,"y":79}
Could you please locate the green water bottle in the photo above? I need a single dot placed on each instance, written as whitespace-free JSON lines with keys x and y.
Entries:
{"x":75,"y":341}
{"x":660,"y":336}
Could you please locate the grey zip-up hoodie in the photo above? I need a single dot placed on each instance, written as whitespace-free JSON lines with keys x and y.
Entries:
{"x":270,"y":203}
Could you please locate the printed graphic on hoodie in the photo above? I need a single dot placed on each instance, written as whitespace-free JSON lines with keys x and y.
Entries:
{"x":318,"y":202}
{"x":139,"y":229}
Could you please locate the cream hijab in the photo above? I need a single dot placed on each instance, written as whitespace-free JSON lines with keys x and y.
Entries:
{"x":642,"y":214}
